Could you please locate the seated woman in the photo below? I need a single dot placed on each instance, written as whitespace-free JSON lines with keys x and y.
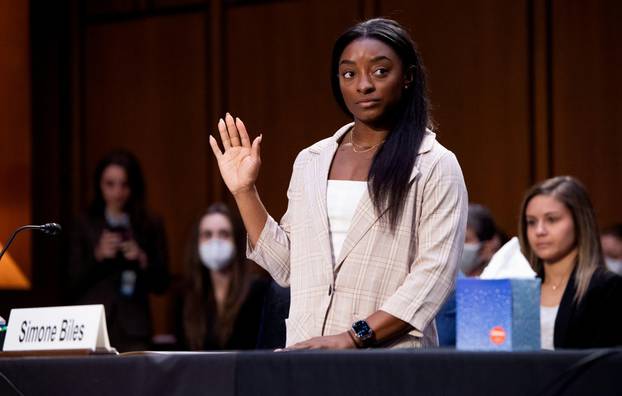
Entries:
{"x":580,"y":300}
{"x":118,"y":253}
{"x":222,"y":300}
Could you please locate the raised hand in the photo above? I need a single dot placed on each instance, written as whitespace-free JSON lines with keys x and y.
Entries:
{"x":240,"y":162}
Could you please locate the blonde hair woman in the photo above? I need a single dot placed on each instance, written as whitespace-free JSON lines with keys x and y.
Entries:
{"x":580,"y":300}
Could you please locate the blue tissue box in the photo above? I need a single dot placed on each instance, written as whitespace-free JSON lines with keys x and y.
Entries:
{"x":498,"y":315}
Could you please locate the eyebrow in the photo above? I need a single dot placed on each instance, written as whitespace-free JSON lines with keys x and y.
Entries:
{"x":374,"y":59}
{"x":544,"y":214}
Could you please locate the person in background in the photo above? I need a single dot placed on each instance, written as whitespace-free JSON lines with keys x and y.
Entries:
{"x":611,"y":242}
{"x":118,"y":252}
{"x":222,"y":299}
{"x":481,"y":241}
{"x":580,"y":299}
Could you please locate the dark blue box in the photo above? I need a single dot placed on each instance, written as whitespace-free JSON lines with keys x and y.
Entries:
{"x":498,"y":315}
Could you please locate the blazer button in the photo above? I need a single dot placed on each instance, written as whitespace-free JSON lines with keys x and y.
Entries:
{"x":330,"y":290}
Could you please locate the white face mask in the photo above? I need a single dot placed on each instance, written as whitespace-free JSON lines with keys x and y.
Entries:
{"x":216,"y":254}
{"x":614,"y":265}
{"x":470,"y":257}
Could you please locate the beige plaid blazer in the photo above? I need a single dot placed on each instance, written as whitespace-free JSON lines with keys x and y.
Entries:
{"x":407,"y":274}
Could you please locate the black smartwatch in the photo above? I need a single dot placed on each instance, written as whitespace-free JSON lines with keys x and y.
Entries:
{"x":363,"y":334}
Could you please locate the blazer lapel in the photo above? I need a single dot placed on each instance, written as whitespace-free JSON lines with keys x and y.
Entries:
{"x":366,"y":216}
{"x":565,"y":313}
{"x":317,"y":175}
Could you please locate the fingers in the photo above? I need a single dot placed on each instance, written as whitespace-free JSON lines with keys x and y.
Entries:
{"x":256,"y":148}
{"x":233,"y":131}
{"x":224,"y":135}
{"x":112,"y":238}
{"x":243,"y":132}
{"x":215,"y":148}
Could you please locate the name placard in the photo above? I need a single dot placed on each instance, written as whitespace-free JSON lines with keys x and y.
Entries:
{"x":57,"y":328}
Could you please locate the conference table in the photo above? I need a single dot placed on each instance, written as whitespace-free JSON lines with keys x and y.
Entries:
{"x":318,"y":373}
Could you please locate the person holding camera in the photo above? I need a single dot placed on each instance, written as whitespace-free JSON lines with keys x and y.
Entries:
{"x":118,"y":252}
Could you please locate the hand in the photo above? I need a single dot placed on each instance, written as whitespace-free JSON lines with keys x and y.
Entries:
{"x":108,"y":245}
{"x":133,"y":252}
{"x":240,"y":162}
{"x":338,"y":341}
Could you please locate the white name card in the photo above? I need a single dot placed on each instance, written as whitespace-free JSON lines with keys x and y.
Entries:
{"x":57,"y":328}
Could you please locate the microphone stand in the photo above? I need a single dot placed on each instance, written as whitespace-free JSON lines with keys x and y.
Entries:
{"x":49,"y":228}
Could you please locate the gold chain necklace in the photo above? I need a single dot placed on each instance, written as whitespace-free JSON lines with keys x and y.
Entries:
{"x":354,"y":145}
{"x":555,"y":286}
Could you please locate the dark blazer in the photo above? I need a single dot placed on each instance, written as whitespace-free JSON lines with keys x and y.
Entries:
{"x":596,"y":322}
{"x":127,"y":317}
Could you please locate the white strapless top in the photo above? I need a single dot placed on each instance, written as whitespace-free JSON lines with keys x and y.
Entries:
{"x":342,"y":198}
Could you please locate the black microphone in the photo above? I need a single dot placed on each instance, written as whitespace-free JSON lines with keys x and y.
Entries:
{"x":48,"y":229}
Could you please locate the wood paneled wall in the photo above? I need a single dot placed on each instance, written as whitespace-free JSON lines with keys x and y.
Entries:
{"x":476,"y":54}
{"x":521,"y":91}
{"x":145,"y":90}
{"x":15,"y":129}
{"x":277,"y":80}
{"x":586,"y":108}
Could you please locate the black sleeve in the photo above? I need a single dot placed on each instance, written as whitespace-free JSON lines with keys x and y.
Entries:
{"x":596,"y":322}
{"x":610,"y":306}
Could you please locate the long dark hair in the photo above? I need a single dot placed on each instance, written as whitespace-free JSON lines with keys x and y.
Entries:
{"x":389,"y":175}
{"x":199,"y":312}
{"x":135,"y":205}
{"x":570,"y":192}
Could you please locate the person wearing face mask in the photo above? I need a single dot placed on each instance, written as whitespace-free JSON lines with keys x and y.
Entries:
{"x":222,"y":298}
{"x":118,"y":253}
{"x":481,"y":241}
{"x":611,"y":242}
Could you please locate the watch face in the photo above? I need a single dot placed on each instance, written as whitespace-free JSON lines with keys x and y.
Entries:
{"x":362,"y":329}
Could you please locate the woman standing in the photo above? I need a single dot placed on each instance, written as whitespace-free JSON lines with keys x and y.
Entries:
{"x":580,"y":300}
{"x":118,"y":252}
{"x":376,"y":214}
{"x":222,"y":301}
